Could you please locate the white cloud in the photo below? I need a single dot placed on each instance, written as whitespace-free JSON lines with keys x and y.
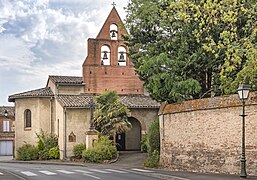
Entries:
{"x":14,"y":53}
{"x":46,"y":37}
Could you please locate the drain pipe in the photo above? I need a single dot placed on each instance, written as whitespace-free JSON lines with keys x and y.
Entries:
{"x":65,"y":139}
{"x":51,"y":116}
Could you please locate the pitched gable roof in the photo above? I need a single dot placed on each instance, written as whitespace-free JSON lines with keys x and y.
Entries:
{"x":131,"y":101}
{"x":42,"y":92}
{"x":69,"y":80}
{"x":113,"y":18}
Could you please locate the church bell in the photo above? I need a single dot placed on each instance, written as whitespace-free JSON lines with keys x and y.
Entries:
{"x":113,"y":32}
{"x":105,"y":55}
{"x":122,"y":58}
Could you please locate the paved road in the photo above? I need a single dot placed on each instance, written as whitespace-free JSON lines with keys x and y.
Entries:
{"x":129,"y":165}
{"x":100,"y":172}
{"x":65,"y":172}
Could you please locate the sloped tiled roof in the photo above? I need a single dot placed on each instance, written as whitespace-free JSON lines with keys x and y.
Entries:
{"x":75,"y":100}
{"x":10,"y":110}
{"x":42,"y":92}
{"x":131,"y":101}
{"x":66,"y":80}
{"x":138,"y":101}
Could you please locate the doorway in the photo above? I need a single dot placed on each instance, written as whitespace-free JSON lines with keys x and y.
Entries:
{"x":120,"y":141}
{"x":133,"y":137}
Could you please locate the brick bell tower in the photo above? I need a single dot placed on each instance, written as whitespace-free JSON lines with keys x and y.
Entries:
{"x":107,"y":65}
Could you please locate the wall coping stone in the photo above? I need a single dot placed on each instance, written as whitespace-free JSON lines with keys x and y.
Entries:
{"x":207,"y":103}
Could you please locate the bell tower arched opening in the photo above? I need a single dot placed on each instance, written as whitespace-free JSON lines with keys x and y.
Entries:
{"x":105,"y":55}
{"x":122,"y":56}
{"x":114,"y":32}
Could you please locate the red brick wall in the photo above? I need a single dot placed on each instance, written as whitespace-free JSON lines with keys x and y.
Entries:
{"x":7,"y":135}
{"x":99,"y":78}
{"x":10,"y":119}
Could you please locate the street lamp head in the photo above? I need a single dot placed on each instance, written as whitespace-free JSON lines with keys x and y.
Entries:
{"x":5,"y":113}
{"x":243,"y":91}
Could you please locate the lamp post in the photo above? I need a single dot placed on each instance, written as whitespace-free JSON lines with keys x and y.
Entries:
{"x":243,"y":92}
{"x":5,"y":113}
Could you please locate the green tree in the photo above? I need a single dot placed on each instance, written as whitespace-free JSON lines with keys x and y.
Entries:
{"x":110,"y":115}
{"x":184,"y":49}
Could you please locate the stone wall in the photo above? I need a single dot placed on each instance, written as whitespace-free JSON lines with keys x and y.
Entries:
{"x":205,"y":135}
{"x":78,"y":122}
{"x":40,"y":119}
{"x":144,"y":116}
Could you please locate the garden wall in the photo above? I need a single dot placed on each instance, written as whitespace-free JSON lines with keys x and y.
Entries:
{"x":205,"y":135}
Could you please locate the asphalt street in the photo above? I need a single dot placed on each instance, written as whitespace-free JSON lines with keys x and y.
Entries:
{"x":129,"y":166}
{"x":68,"y":172}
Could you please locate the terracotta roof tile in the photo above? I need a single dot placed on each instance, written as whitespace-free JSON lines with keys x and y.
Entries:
{"x":10,"y":110}
{"x":75,"y":100}
{"x":66,"y":79}
{"x":131,"y":101}
{"x":42,"y":92}
{"x":139,"y":101}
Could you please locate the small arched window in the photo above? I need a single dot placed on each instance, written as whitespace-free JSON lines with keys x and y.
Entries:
{"x":27,"y":114}
{"x":114,"y":32}
{"x":105,"y":55}
{"x":122,"y":56}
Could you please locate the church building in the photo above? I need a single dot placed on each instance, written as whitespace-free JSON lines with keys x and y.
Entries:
{"x":64,"y":106}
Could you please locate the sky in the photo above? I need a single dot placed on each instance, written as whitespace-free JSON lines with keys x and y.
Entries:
{"x":39,"y":38}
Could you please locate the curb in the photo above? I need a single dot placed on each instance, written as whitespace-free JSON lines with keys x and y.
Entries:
{"x":62,"y":162}
{"x":44,"y":162}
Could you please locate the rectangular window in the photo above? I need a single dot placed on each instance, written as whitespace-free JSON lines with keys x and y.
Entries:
{"x":6,"y":127}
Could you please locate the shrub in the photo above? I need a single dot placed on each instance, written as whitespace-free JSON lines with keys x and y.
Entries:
{"x":27,"y":152}
{"x":54,"y":153}
{"x":154,"y":137}
{"x":77,"y":150}
{"x":103,"y":150}
{"x":144,"y":143}
{"x":40,"y":145}
{"x":43,"y":154}
{"x":46,"y":141}
{"x":152,"y":159}
{"x":153,"y":145}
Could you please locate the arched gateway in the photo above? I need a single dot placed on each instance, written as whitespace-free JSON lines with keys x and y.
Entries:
{"x":130,"y":140}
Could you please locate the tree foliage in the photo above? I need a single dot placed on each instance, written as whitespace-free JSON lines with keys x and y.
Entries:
{"x":110,"y":116}
{"x":184,"y":49}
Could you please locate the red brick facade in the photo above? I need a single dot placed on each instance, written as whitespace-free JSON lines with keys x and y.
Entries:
{"x":98,"y":77}
{"x":7,"y":135}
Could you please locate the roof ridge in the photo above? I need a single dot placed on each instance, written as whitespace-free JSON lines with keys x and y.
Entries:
{"x":63,"y":76}
{"x":33,"y":90}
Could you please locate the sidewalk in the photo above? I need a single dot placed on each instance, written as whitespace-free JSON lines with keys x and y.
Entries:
{"x":6,"y":158}
{"x":129,"y":160}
